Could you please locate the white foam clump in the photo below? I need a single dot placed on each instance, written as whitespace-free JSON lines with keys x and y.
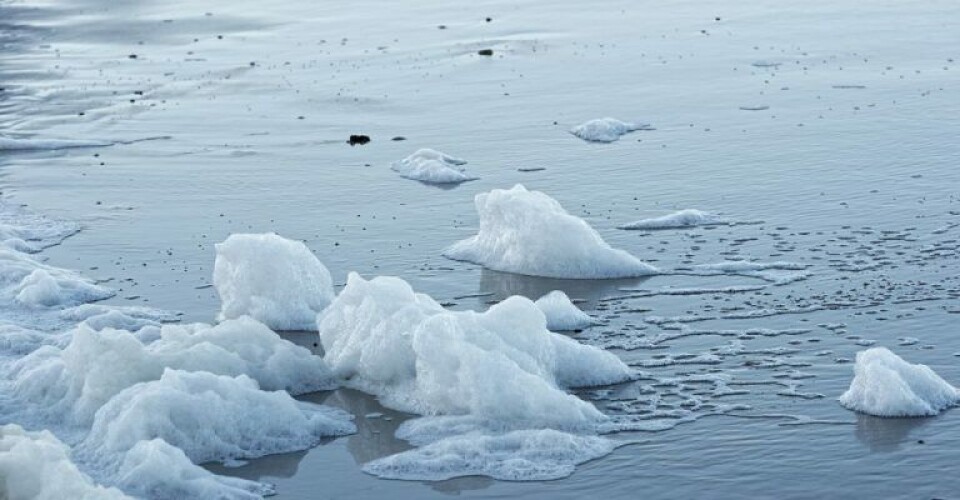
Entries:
{"x":432,"y":167}
{"x":605,"y":129}
{"x":272,"y":279}
{"x":743,"y":266}
{"x":501,"y":365}
{"x":887,"y":386}
{"x":27,"y":232}
{"x":528,"y":232}
{"x":27,"y":282}
{"x":211,"y":418}
{"x":562,"y":313}
{"x":37,"y":466}
{"x":74,"y":382}
{"x":155,"y":469}
{"x":773,"y":272}
{"x":522,"y":455}
{"x":681,"y":219}
{"x":85,"y":312}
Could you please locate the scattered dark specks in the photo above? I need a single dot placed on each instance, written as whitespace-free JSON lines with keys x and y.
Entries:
{"x":485,"y":52}
{"x":360,"y":139}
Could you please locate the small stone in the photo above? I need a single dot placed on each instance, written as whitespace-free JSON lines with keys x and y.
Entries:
{"x":358,"y":139}
{"x":485,"y":52}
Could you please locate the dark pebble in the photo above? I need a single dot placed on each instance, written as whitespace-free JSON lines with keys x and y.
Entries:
{"x":358,"y":139}
{"x":399,"y":138}
{"x":485,"y":52}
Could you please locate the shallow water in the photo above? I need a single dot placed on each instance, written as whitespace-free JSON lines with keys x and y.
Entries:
{"x":830,"y":126}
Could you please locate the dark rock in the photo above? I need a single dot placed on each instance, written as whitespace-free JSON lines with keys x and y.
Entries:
{"x":358,"y":139}
{"x":485,"y":52}
{"x":399,"y":138}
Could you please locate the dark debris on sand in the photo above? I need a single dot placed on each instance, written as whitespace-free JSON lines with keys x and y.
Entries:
{"x":358,"y":139}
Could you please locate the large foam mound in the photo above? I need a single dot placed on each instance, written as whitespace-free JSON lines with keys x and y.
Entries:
{"x":211,"y":418}
{"x":501,"y":365}
{"x":524,"y":455}
{"x":37,"y":466}
{"x":155,"y":469}
{"x":562,"y":314}
{"x":681,"y":219}
{"x":528,"y":232}
{"x":272,"y":279}
{"x":27,"y":282}
{"x":605,"y":129}
{"x":75,"y":381}
{"x":432,"y":167}
{"x":887,"y":386}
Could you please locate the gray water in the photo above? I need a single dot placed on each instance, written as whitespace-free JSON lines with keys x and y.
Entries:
{"x":233,"y":117}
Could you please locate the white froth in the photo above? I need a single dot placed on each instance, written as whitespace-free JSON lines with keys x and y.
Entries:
{"x":502,"y":365}
{"x":681,"y":219}
{"x":432,"y":167}
{"x":211,"y":418}
{"x":37,"y":466}
{"x":562,"y":314}
{"x":887,"y":386}
{"x":605,"y":129}
{"x":74,"y":382}
{"x":523,"y":455}
{"x":272,"y":279}
{"x":528,"y":232}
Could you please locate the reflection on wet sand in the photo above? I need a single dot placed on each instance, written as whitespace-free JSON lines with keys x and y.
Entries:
{"x":284,"y":465}
{"x":585,"y":292}
{"x":458,"y":485}
{"x":376,"y":426}
{"x":886,"y":434}
{"x":375,"y":438}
